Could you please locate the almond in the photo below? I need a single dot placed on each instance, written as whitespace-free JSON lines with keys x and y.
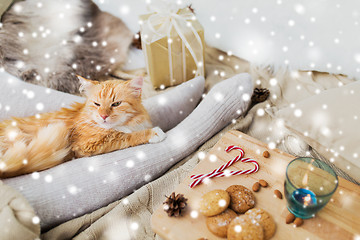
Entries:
{"x":298,"y":222}
{"x":263,"y":183}
{"x":266,"y":154}
{"x":290,"y":218}
{"x":256,"y":187}
{"x":278,"y":194}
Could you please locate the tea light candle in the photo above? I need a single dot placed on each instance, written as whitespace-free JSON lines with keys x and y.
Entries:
{"x":305,"y":197}
{"x":309,"y":185}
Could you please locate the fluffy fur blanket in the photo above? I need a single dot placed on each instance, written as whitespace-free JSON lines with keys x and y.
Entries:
{"x":48,"y":42}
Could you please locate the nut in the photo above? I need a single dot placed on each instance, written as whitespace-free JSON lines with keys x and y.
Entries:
{"x":290,"y":218}
{"x":266,"y":154}
{"x":256,"y":187}
{"x":263,"y":183}
{"x":278,"y":194}
{"x":298,"y":222}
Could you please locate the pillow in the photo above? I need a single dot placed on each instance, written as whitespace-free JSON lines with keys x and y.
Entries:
{"x":20,"y":99}
{"x":330,"y":123}
{"x":82,"y":185}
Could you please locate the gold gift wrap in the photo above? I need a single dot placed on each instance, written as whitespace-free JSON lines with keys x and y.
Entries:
{"x":174,"y":52}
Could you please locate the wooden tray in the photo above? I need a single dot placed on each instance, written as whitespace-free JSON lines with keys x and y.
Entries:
{"x":340,"y":219}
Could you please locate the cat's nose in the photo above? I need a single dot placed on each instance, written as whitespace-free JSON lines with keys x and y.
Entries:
{"x":104,"y":116}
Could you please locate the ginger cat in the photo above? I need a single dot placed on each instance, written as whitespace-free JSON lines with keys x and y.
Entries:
{"x":111,"y":118}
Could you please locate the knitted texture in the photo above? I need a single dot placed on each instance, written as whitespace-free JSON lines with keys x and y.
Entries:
{"x":76,"y":190}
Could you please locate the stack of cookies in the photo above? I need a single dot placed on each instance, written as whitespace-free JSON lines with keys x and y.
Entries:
{"x":231,"y":214}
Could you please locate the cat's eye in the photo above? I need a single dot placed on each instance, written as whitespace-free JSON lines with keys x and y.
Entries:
{"x":115,"y":104}
{"x":97,"y":104}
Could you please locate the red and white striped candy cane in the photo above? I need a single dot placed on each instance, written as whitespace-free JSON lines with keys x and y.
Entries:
{"x":219,"y":171}
{"x":221,"y":168}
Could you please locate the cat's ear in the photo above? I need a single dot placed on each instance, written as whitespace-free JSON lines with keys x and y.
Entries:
{"x":85,"y":84}
{"x":136,"y":85}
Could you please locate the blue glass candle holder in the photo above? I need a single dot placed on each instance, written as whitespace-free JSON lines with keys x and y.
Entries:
{"x":309,"y":185}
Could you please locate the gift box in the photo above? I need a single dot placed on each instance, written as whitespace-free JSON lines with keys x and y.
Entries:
{"x":173,"y":45}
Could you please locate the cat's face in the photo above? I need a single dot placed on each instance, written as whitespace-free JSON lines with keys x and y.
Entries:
{"x":112,"y":103}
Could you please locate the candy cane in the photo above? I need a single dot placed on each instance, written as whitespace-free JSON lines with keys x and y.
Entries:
{"x":219,"y":171}
{"x":221,"y":168}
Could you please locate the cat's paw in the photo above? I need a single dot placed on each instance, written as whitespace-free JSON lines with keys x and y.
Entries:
{"x":159,"y":135}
